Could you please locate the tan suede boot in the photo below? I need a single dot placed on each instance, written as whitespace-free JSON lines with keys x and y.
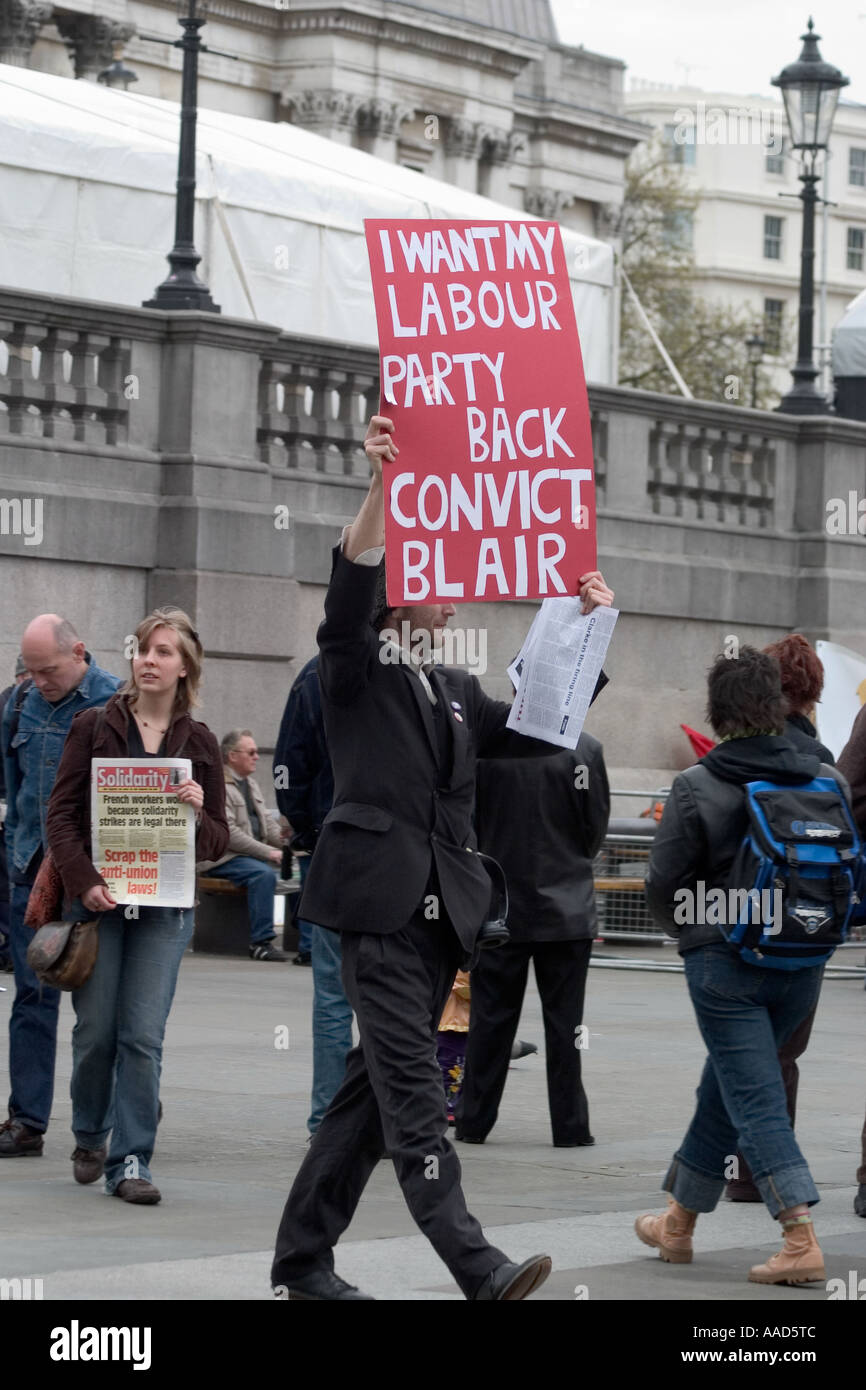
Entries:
{"x":799,"y":1260}
{"x":670,"y":1234}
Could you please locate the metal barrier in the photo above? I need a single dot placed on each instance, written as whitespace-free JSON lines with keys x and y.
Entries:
{"x":620,"y":871}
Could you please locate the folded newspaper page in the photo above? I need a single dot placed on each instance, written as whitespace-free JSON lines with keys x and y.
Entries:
{"x":557,"y":668}
{"x":143,"y":837}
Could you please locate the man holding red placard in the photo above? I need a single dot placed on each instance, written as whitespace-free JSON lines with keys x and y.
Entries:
{"x":397,"y":873}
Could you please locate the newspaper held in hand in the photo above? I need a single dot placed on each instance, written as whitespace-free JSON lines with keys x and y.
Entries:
{"x":557,"y":668}
{"x":143,"y":837}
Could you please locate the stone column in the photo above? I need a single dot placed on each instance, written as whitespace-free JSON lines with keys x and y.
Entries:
{"x":91,"y":40}
{"x":379,"y":122}
{"x":463,"y":144}
{"x":498,"y":152}
{"x":546,"y":202}
{"x":329,"y":113}
{"x":20,"y":22}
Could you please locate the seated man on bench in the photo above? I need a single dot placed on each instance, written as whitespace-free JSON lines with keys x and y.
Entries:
{"x":254,"y":852}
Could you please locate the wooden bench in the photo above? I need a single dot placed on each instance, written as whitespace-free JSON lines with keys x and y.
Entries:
{"x":222,"y":923}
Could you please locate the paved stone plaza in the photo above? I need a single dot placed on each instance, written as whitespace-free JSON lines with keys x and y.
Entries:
{"x":234,"y":1133}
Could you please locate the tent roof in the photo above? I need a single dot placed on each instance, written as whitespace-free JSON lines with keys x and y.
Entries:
{"x":90,"y":174}
{"x":849,"y":340}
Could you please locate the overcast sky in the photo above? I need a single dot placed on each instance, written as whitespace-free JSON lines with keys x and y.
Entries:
{"x":732,"y":47}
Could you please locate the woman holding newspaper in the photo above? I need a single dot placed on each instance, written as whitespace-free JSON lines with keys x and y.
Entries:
{"x":121,"y":1011}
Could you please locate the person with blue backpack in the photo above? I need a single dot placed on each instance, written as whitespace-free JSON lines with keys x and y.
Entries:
{"x":755,"y":869}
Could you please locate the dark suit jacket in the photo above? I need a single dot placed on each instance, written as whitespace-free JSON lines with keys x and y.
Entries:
{"x":545,"y":831}
{"x":302,"y":750}
{"x":392,"y":821}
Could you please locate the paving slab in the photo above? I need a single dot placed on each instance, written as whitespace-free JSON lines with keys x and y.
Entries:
{"x":236,"y":1101}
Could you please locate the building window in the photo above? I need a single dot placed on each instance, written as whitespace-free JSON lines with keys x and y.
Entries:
{"x":856,"y":239}
{"x":773,"y":238}
{"x":777,"y":148}
{"x":678,"y":229}
{"x":857,"y":167}
{"x":680,"y":144}
{"x":774,"y":310}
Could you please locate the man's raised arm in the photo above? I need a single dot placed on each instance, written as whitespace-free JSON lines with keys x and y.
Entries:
{"x":367,"y":531}
{"x":347,"y":644}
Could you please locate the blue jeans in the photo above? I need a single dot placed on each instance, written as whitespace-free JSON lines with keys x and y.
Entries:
{"x":745,"y":1014}
{"x":120,"y":1023}
{"x":305,"y":929}
{"x":260,"y":880}
{"x":32,"y":1027}
{"x":332,"y":1022}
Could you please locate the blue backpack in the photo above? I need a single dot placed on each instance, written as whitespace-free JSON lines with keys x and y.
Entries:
{"x":796,"y":877}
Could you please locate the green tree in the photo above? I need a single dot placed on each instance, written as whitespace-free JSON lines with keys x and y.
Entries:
{"x":706,"y":340}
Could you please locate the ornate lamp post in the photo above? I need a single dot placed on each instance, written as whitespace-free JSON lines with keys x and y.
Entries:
{"x":810,"y":88}
{"x":755,"y":347}
{"x":183,"y":289}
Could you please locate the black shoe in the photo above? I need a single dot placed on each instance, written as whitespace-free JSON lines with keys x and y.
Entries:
{"x":18,"y":1140}
{"x":521,"y":1049}
{"x":322,"y":1286}
{"x":265,"y":951}
{"x":88,"y":1165}
{"x":574,"y":1143}
{"x":509,"y":1282}
{"x":739,"y":1191}
{"x":469,"y":1138}
{"x":303,"y":958}
{"x":860,"y":1200}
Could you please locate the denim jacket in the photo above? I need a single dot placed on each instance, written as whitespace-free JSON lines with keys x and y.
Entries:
{"x":32,"y":762}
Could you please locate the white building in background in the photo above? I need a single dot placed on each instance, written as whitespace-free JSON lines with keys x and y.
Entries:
{"x":747,"y":228}
{"x":479,"y":93}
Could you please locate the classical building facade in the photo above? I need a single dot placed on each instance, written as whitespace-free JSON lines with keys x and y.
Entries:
{"x":746,"y":230}
{"x":480,"y":93}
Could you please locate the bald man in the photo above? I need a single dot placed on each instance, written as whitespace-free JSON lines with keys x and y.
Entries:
{"x":62,"y":679}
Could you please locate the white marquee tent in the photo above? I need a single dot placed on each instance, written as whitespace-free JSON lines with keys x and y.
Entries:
{"x":849,"y":340}
{"x":87,"y":177}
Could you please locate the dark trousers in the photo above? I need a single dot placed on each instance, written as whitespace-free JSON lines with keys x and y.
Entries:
{"x":793,"y":1048}
{"x":32,"y":1027}
{"x":498,"y":986}
{"x":391,"y":1101}
{"x":861,"y":1171}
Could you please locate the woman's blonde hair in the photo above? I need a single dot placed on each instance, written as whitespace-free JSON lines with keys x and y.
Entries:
{"x":189,"y":646}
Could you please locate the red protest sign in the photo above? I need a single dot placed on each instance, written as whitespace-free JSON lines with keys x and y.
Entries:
{"x":492,"y":496}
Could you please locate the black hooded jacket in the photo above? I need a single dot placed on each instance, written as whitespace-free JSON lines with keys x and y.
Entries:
{"x":705,"y":819}
{"x":804,"y":736}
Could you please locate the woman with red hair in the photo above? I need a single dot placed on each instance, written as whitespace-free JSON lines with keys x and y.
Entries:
{"x":802,"y":683}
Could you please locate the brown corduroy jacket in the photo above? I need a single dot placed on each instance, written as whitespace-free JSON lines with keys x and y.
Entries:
{"x":68,"y":817}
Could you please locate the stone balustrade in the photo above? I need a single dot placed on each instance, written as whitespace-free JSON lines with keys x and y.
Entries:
{"x":212,"y":462}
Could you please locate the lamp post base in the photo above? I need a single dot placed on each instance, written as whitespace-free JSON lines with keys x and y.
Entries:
{"x":803,"y":399}
{"x":183,"y":294}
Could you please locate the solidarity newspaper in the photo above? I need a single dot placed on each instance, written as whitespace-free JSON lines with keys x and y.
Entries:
{"x":143,"y":837}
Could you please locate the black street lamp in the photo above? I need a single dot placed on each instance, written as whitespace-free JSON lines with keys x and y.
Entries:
{"x":183,"y":289}
{"x":810,"y":88}
{"x":755,"y":347}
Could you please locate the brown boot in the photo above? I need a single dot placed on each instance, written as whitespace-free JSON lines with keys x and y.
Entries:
{"x":670,"y":1234}
{"x":799,"y":1260}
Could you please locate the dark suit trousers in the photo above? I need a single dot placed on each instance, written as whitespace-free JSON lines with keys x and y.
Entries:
{"x":391,"y":1101}
{"x":498,"y":986}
